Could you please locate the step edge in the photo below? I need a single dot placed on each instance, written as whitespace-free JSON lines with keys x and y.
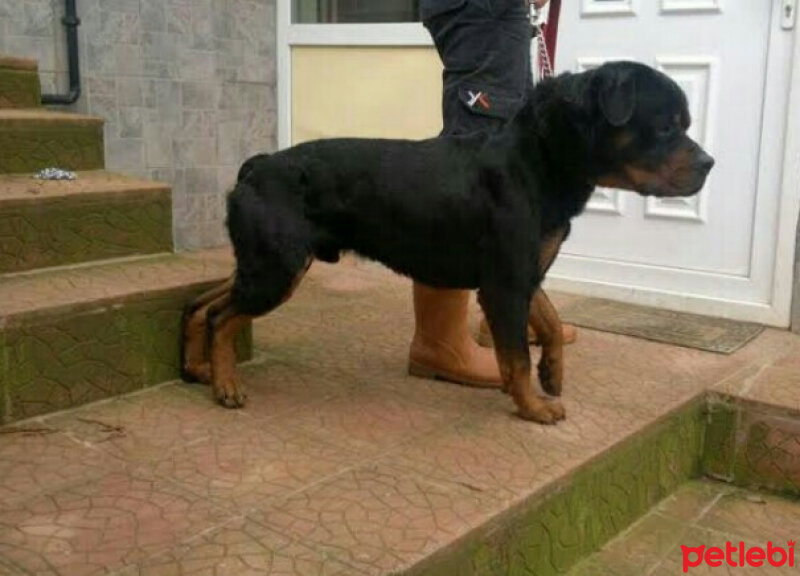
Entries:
{"x":19,"y":63}
{"x":28,"y":317}
{"x":15,"y":319}
{"x":526,"y":504}
{"x":44,"y":116}
{"x":83,"y":196}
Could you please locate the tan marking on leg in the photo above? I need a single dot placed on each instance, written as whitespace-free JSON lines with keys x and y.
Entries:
{"x":226,"y":324}
{"x":547,"y":324}
{"x":224,"y":376}
{"x":194,"y":363}
{"x":297,"y":280}
{"x":517,"y":380}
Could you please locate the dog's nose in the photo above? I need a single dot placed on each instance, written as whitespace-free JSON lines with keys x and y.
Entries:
{"x":705,"y":162}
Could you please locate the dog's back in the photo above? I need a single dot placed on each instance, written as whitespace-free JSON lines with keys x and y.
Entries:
{"x":385,"y":199}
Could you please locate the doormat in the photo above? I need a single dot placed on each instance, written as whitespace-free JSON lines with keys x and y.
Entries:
{"x":678,"y":328}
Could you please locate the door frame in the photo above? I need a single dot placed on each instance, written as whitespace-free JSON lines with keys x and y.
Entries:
{"x":780,"y":137}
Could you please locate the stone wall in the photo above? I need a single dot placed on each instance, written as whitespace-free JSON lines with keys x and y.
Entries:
{"x":187,"y":88}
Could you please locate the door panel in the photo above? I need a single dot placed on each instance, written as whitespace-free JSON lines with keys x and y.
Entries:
{"x":703,"y":246}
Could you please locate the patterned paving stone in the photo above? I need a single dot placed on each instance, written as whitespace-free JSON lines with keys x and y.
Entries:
{"x":35,"y":139}
{"x":35,"y":458}
{"x":778,"y":385}
{"x":368,"y":422}
{"x":754,"y":516}
{"x":243,"y":465}
{"x":699,"y":514}
{"x":375,"y":520}
{"x":76,"y":335}
{"x":241,"y":548}
{"x":343,"y":464}
{"x":638,"y":551}
{"x":146,"y":427}
{"x":97,"y":216}
{"x":672,"y":564}
{"x":101,"y":525}
{"x":275,"y":387}
{"x":768,"y":452}
{"x":24,"y":295}
{"x":19,"y":88}
{"x":485,"y":460}
{"x":692,"y":501}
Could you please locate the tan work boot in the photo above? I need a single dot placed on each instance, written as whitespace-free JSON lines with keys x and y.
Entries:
{"x":485,"y":335}
{"x":443,"y":347}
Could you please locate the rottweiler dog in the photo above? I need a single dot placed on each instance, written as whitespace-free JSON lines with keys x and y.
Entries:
{"x":485,"y":212}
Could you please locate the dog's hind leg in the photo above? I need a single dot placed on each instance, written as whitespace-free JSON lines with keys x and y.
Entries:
{"x":194,"y":341}
{"x":224,"y":322}
{"x":233,"y":310}
{"x":507,"y":315}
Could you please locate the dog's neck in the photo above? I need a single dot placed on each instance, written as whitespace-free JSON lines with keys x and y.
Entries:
{"x":547,"y":135}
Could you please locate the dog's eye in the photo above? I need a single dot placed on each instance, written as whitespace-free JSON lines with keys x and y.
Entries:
{"x":666,"y":131}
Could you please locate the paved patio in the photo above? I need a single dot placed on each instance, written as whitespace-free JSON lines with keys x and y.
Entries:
{"x":340,"y":463}
{"x":700,"y":514}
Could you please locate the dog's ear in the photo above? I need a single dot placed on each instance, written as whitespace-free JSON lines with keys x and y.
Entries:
{"x":617,"y":95}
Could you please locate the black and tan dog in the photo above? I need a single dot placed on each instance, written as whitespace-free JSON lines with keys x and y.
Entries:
{"x":484,"y":212}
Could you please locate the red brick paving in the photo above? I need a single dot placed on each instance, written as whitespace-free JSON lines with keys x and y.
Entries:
{"x":340,"y":464}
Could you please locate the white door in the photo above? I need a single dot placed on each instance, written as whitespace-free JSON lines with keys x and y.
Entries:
{"x":715,"y":253}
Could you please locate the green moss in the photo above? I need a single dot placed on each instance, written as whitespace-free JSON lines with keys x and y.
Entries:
{"x":720,"y":448}
{"x":19,"y":88}
{"x":769,"y":457}
{"x":31,"y":146}
{"x":62,"y":361}
{"x":75,"y":229}
{"x":548,"y":536}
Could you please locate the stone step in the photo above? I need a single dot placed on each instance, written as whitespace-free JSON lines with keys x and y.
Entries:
{"x":701,"y":513}
{"x":75,"y":335}
{"x":19,"y":83}
{"x":98,"y":216}
{"x":342,"y":464}
{"x":32,"y":139}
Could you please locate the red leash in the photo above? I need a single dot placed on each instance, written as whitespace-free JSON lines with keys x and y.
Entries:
{"x":551,"y":30}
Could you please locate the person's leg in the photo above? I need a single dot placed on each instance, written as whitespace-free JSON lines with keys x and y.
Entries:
{"x":443,"y":346}
{"x":485,"y":47}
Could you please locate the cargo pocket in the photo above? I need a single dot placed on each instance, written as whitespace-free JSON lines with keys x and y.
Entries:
{"x":431,"y":8}
{"x":492,"y":102}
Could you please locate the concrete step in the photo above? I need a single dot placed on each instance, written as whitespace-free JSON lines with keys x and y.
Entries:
{"x":98,"y":216}
{"x":19,"y":83}
{"x":342,"y":464}
{"x":32,"y":139}
{"x":709,"y":514}
{"x":83,"y":333}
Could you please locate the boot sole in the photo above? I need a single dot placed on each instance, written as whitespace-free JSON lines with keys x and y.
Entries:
{"x":420,"y":371}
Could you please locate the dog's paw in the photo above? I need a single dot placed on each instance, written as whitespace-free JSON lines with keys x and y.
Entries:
{"x":230,"y":396}
{"x":551,"y":376}
{"x":542,"y":412}
{"x":197,"y":374}
{"x":557,"y":409}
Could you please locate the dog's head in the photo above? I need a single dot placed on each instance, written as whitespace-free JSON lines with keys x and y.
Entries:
{"x":640,"y":117}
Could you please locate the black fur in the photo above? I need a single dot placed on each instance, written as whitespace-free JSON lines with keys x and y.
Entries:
{"x":463,"y":212}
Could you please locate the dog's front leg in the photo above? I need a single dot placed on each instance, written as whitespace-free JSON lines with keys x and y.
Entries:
{"x":545,"y":320}
{"x":507,"y":315}
{"x":547,"y":325}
